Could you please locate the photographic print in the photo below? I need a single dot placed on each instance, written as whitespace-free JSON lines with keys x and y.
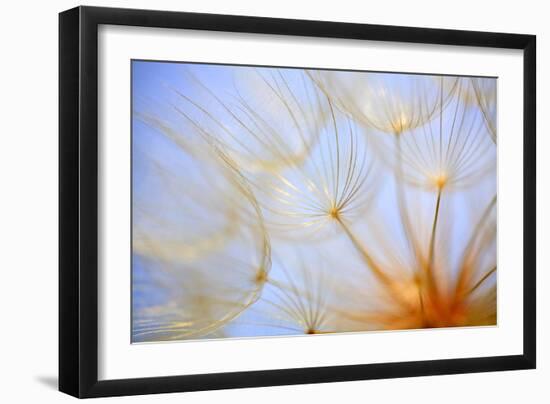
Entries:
{"x":272,"y":201}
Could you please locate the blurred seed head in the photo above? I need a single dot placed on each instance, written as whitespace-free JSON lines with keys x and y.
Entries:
{"x":201,"y":263}
{"x":390,"y":103}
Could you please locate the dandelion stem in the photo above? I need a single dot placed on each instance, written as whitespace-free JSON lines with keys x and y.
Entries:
{"x":378,"y":272}
{"x":431,"y":250}
{"x":465,"y":270}
{"x":400,"y":195}
{"x":483,"y":278}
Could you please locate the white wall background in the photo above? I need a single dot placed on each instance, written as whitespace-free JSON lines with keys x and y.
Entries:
{"x":28,"y":200}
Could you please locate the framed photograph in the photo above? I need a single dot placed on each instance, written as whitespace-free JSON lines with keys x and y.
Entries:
{"x":251,"y":201}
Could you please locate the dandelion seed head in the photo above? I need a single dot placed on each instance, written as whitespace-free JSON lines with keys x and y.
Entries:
{"x":388,"y":103}
{"x":183,"y":273}
{"x":261,"y":276}
{"x":439,"y":180}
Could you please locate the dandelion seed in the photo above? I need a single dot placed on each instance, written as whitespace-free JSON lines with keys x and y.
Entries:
{"x":485,"y":91}
{"x":296,"y":299}
{"x":385,"y":102}
{"x":452,"y":150}
{"x":265,"y":119}
{"x":335,"y":182}
{"x":190,"y":244}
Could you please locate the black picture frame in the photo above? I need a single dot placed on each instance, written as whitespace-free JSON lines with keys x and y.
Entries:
{"x":78,"y":200}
